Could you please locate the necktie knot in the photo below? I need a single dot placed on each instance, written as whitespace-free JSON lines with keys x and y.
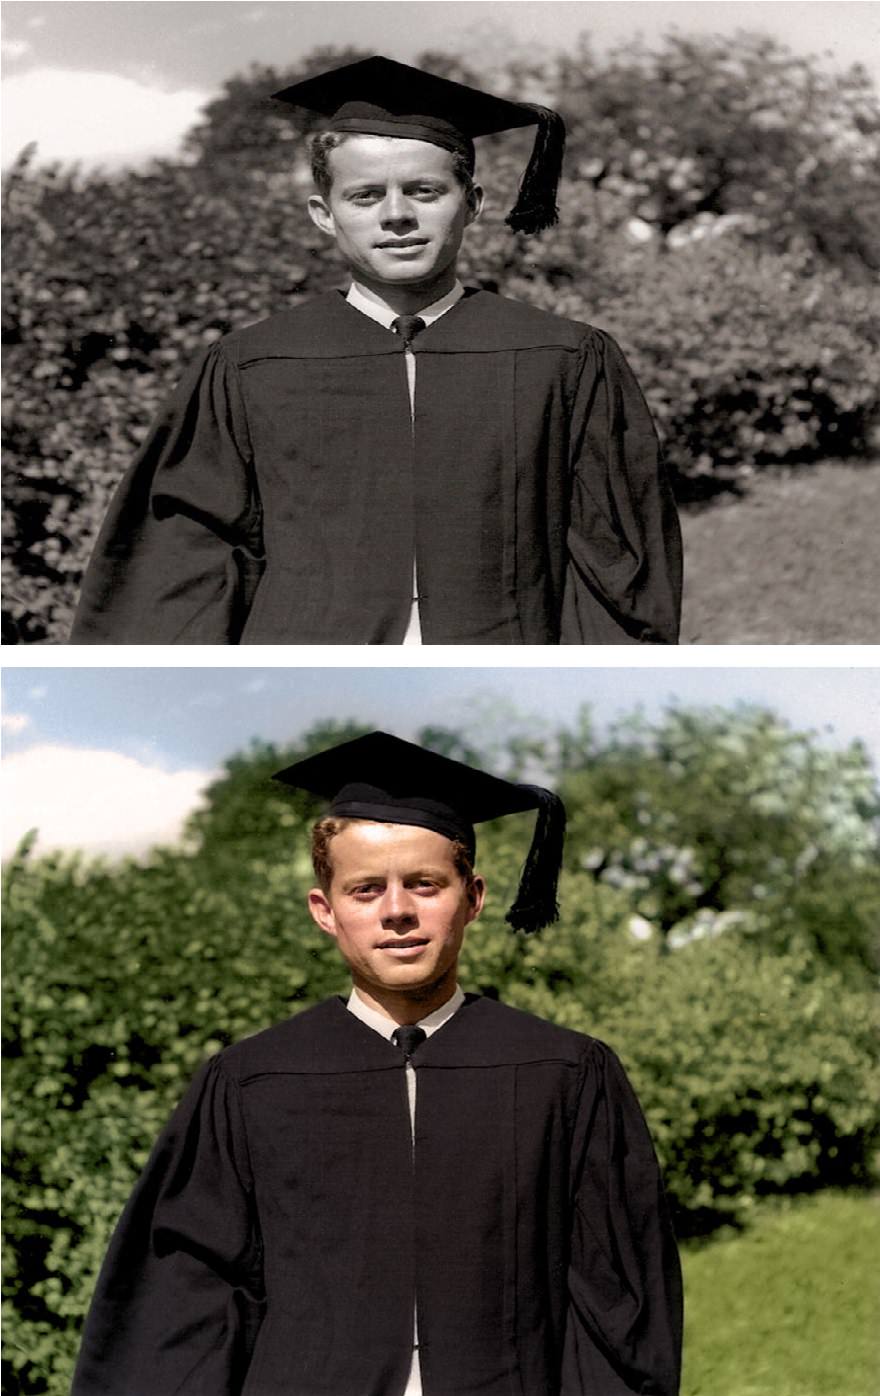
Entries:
{"x":408,"y":326}
{"x":408,"y":1039}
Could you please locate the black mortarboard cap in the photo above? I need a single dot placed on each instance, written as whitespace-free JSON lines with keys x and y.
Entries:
{"x":380,"y":97}
{"x":382,"y":778}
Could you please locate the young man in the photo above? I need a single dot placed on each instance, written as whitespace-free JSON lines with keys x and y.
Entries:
{"x":411,"y":1192}
{"x":409,"y":461}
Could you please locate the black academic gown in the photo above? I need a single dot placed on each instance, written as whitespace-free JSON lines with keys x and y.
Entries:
{"x":286,"y":1223}
{"x":284,"y":492}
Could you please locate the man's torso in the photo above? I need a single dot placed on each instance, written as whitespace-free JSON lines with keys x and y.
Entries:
{"x":474,"y":487}
{"x":469,"y":1216}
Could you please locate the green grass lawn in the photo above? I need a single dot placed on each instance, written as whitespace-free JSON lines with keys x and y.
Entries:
{"x":794,"y":561}
{"x":790,"y":1307}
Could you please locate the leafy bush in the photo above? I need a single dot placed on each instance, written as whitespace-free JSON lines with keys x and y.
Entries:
{"x":124,"y":980}
{"x":114,"y":285}
{"x":747,"y":358}
{"x":753,"y":347}
{"x":751,"y":1052}
{"x":755,"y":1071}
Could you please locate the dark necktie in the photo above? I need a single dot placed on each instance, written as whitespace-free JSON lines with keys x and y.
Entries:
{"x":408,"y":1039}
{"x":408,"y":326}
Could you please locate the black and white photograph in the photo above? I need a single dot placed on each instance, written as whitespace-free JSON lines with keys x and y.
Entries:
{"x":423,"y":323}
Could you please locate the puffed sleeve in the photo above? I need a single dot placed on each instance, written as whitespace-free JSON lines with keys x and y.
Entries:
{"x":179,"y":555}
{"x":180,"y":1299}
{"x":623,"y":580}
{"x":624,"y":1328}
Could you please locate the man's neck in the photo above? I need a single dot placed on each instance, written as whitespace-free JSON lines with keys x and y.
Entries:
{"x":409,"y":300}
{"x":405,"y":1007}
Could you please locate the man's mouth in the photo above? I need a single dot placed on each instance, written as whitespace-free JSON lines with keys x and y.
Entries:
{"x":403,"y":243}
{"x":408,"y":946}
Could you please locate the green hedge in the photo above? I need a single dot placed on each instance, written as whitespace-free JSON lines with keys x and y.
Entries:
{"x":755,"y":1071}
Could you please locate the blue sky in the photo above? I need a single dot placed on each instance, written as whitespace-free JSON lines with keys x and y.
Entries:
{"x":116,"y":80}
{"x":180,"y":717}
{"x":113,"y":759}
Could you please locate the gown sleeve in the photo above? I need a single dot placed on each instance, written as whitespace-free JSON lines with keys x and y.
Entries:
{"x":623,"y":580}
{"x":180,"y":1298}
{"x":624,"y":1328}
{"x":180,"y":553}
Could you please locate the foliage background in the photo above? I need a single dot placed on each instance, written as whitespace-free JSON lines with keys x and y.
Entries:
{"x":719,"y":919}
{"x":720,"y":217}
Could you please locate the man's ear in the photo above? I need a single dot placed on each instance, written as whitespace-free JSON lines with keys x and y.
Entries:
{"x":321,"y":911}
{"x":475,"y":203}
{"x":476,"y":895}
{"x":319,"y":212}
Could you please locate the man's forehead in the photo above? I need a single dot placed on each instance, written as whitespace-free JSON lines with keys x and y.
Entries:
{"x":380,"y":835}
{"x":365,"y":154}
{"x":364,"y":848}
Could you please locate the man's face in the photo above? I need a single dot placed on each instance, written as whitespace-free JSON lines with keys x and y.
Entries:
{"x":397,"y":906}
{"x":396,"y":210}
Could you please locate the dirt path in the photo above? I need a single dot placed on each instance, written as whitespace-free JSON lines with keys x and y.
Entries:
{"x":796,"y":560}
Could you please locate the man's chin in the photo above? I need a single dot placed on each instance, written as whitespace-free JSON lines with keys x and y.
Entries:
{"x":407,"y":275}
{"x":410,"y":976}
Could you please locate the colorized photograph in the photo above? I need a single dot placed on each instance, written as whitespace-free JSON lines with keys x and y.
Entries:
{"x":389,"y":1033}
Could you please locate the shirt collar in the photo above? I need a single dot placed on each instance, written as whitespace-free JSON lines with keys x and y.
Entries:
{"x":379,"y":1023}
{"x":370,"y":303}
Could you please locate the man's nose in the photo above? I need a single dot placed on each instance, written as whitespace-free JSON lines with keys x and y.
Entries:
{"x":396,"y":209}
{"x":398,"y":907}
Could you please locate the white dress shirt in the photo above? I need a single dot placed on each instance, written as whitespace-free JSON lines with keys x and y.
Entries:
{"x":372,"y":304}
{"x":379,"y":1023}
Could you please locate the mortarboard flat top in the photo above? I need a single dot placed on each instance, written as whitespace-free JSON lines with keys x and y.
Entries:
{"x":405,"y":94}
{"x":380,"y":777}
{"x":378,"y":96}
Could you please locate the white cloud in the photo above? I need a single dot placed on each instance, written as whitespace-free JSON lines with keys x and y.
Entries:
{"x":94,"y":118}
{"x":13,"y":723}
{"x":97,"y":801}
{"x":14,"y":48}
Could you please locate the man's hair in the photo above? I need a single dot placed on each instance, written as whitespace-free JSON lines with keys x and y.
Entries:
{"x":463,"y":165}
{"x":326,"y":830}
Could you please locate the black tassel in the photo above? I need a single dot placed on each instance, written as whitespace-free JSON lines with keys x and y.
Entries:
{"x":535,"y":906}
{"x":535,"y":207}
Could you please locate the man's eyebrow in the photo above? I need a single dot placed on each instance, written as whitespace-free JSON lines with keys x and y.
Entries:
{"x":423,"y":870}
{"x":353,"y":185}
{"x":356,"y":185}
{"x":436,"y":179}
